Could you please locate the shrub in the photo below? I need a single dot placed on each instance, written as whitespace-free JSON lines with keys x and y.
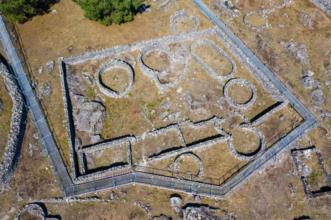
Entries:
{"x":110,"y":11}
{"x":22,"y":10}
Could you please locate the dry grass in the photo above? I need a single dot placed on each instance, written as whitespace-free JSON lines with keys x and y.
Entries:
{"x":256,"y":20}
{"x":33,"y":177}
{"x":279,"y":124}
{"x":265,"y":196}
{"x":66,"y":32}
{"x":5,"y":115}
{"x":240,"y":94}
{"x":267,"y":47}
{"x":245,"y":141}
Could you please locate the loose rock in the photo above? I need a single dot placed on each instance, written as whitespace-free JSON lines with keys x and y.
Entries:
{"x":176,"y":203}
{"x":50,"y":66}
{"x":306,"y":20}
{"x":202,"y":212}
{"x":89,"y":115}
{"x":317,"y":97}
{"x":45,"y":90}
{"x":161,"y":217}
{"x":1,"y":106}
{"x":308,"y":82}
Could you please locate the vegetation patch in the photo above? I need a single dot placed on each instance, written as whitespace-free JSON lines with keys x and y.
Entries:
{"x":108,"y":12}
{"x":23,"y":10}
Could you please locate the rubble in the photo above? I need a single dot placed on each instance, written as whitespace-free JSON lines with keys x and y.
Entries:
{"x":89,"y":115}
{"x":193,"y":212}
{"x":306,"y":20}
{"x":1,"y":106}
{"x":317,"y":97}
{"x":161,"y":217}
{"x":45,"y":90}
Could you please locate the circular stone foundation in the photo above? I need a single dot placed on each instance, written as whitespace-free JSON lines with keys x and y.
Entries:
{"x":31,"y":211}
{"x":156,"y":60}
{"x":120,"y":71}
{"x":239,"y":93}
{"x":246,"y":142}
{"x":256,"y":21}
{"x":181,"y":22}
{"x":234,"y":120}
{"x":165,"y":67}
{"x":188,"y":163}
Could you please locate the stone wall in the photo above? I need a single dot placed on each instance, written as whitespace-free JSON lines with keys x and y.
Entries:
{"x":17,"y":127}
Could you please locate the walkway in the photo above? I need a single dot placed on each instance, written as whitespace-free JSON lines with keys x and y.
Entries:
{"x":138,"y":177}
{"x":37,"y":114}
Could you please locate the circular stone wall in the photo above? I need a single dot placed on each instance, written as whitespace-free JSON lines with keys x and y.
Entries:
{"x":111,"y":66}
{"x":31,"y":211}
{"x":164,"y":66}
{"x":246,"y":142}
{"x":188,"y":163}
{"x":244,"y":97}
{"x":256,"y":21}
{"x":181,"y":22}
{"x":156,"y":59}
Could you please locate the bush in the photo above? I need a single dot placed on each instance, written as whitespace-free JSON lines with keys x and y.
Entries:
{"x":110,"y":11}
{"x":22,"y":10}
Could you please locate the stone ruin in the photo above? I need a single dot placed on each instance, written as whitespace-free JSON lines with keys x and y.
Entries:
{"x":325,"y":5}
{"x":122,"y":57}
{"x":182,"y":16}
{"x":310,"y":166}
{"x":182,"y":57}
{"x":36,"y":211}
{"x":15,"y":135}
{"x":111,"y":65}
{"x":265,"y":13}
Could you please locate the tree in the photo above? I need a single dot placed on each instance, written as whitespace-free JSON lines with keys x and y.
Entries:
{"x":22,"y":10}
{"x":110,"y":11}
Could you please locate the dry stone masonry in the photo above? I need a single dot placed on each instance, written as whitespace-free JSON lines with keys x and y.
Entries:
{"x":243,"y":83}
{"x":325,"y":5}
{"x":310,"y":165}
{"x":36,"y":211}
{"x":107,"y":179}
{"x":212,"y":72}
{"x":189,"y":42}
{"x":113,"y":64}
{"x":182,"y":17}
{"x":264,"y":13}
{"x":15,"y":135}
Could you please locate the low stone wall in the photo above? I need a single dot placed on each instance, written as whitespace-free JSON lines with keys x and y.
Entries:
{"x":70,"y":127}
{"x":325,"y":5}
{"x":303,"y":170}
{"x":243,"y":83}
{"x":256,"y":153}
{"x":17,"y":126}
{"x":111,"y":65}
{"x":182,"y":14}
{"x":213,"y":73}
